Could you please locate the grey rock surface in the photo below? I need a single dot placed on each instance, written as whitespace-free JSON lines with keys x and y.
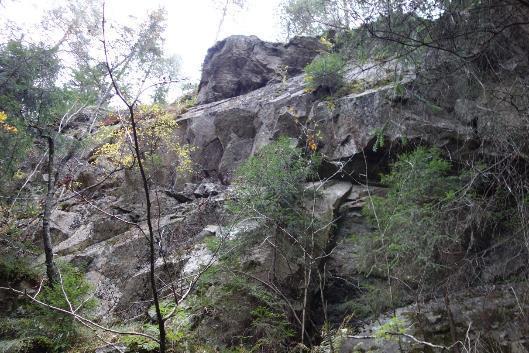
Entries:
{"x":246,"y":103}
{"x":479,"y":319}
{"x":229,"y":131}
{"x":240,"y":64}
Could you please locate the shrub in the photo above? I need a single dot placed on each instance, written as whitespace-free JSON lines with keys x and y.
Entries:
{"x":271,"y":328}
{"x":270,"y":184}
{"x":38,"y":326}
{"x":374,"y":299}
{"x":325,"y":71}
{"x":391,"y":330}
{"x":249,"y":316}
{"x":270,"y":187}
{"x":142,"y":344}
{"x":417,"y":231}
{"x":156,"y":129}
{"x":15,"y":269}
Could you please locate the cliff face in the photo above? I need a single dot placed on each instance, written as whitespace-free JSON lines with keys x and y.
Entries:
{"x":395,"y":100}
{"x":401,"y":104}
{"x":244,"y":104}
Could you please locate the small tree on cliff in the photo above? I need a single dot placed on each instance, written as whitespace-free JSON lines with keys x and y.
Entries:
{"x":151,"y":72}
{"x":36,"y":110}
{"x":271,"y":187}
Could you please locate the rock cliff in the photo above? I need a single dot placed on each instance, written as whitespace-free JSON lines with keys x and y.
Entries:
{"x":250,"y":94}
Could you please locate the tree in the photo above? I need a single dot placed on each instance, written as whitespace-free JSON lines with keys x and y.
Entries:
{"x":149,"y":71}
{"x":313,"y":17}
{"x":29,"y":98}
{"x":226,"y":5}
{"x":430,"y":237}
{"x":47,"y":94}
{"x":416,"y":220}
{"x":132,"y":45}
{"x":36,"y":105}
{"x":465,"y":29}
{"x":27,"y":82}
{"x":270,"y":187}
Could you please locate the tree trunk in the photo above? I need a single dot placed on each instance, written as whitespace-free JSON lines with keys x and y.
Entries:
{"x":146,"y":189}
{"x":451,"y":322}
{"x":221,"y":21}
{"x":152,"y":253}
{"x":347,"y":21}
{"x":51,"y":270}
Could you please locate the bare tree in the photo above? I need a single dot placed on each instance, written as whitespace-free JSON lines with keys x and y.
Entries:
{"x":225,"y":11}
{"x":131,"y":105}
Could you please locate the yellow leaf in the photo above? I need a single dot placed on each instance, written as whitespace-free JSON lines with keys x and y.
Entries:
{"x":10,"y":128}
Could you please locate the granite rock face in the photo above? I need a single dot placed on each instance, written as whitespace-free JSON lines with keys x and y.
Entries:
{"x":229,"y":131}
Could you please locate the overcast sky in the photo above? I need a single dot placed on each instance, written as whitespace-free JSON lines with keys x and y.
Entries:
{"x":192,"y":24}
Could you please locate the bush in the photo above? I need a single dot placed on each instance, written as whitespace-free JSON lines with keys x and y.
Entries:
{"x":271,"y":328}
{"x":238,"y":313}
{"x":156,"y":129}
{"x":325,"y":71}
{"x":270,"y":188}
{"x":418,"y":233}
{"x":38,"y":326}
{"x":15,"y":269}
{"x":270,"y":184}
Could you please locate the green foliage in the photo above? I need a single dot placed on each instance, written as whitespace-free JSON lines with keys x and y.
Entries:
{"x":374,"y":299}
{"x":314,"y":17}
{"x":296,"y":19}
{"x":212,"y":243}
{"x":399,"y":89}
{"x":413,"y":220}
{"x":271,"y":327}
{"x":177,"y":327}
{"x":27,"y":93}
{"x":325,"y":71}
{"x":32,"y":103}
{"x":15,"y":269}
{"x":229,"y":299}
{"x":270,"y":187}
{"x":391,"y":329}
{"x":270,"y":184}
{"x":40,"y":326}
{"x":188,"y":101}
{"x":332,"y":339}
{"x":24,"y":345}
{"x":155,"y":128}
{"x":379,"y":138}
{"x":142,"y":344}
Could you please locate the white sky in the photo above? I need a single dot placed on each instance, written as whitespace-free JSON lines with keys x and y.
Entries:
{"x":192,"y":24}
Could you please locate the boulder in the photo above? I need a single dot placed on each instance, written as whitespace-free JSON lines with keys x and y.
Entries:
{"x":63,"y":224}
{"x":324,"y":198}
{"x":185,"y":194}
{"x":211,"y":230}
{"x":240,"y":64}
{"x":208,"y":189}
{"x":197,"y":259}
{"x":486,"y":317}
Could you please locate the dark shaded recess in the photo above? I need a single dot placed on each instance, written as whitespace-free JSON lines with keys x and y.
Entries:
{"x":210,"y":158}
{"x":378,"y":161}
